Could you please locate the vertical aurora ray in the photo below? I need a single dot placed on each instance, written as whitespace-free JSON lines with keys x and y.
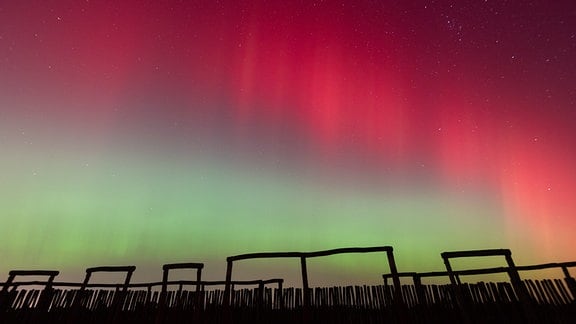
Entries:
{"x":153,"y":133}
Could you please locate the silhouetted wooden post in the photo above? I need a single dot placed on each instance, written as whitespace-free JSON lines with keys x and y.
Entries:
{"x":421,"y":295}
{"x":5,"y":300}
{"x":261,"y":293}
{"x":395,"y":277}
{"x":228,"y":286}
{"x":305,"y":287}
{"x":515,"y":278}
{"x":281,"y":293}
{"x":570,"y":282}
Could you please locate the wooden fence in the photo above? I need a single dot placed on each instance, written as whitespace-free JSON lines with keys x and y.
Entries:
{"x":551,"y":300}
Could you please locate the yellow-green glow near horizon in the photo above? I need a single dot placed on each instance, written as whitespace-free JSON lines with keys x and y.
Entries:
{"x":117,"y":210}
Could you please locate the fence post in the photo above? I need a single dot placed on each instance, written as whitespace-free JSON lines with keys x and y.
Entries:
{"x":570,"y":282}
{"x":395,"y":276}
{"x":228,"y":286}
{"x":305,"y":287}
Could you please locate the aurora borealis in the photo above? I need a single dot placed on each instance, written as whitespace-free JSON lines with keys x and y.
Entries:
{"x":136,"y":132}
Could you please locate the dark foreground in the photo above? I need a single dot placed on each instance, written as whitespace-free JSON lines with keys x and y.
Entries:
{"x":267,"y":301}
{"x":550,"y":302}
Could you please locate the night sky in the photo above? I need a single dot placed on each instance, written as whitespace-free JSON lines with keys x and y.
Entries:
{"x":150,"y":132}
